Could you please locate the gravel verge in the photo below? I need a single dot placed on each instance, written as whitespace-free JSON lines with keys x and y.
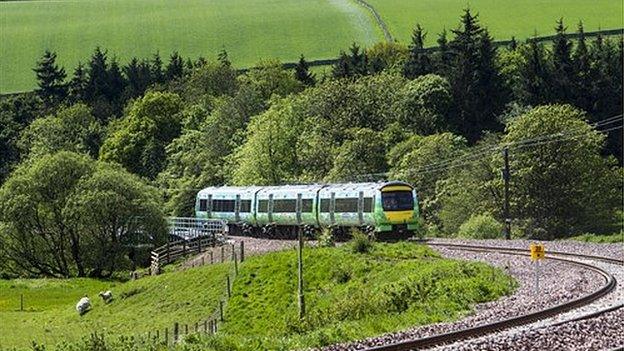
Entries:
{"x":559,"y":282}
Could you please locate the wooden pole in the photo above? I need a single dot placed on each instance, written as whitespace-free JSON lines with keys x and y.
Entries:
{"x":229,"y":291}
{"x":211,"y":258}
{"x":222,"y":253}
{"x":235,"y":265}
{"x":166,"y":336}
{"x":221,"y":310}
{"x":176,"y":332}
{"x":185,"y":329}
{"x":300,"y":271}
{"x":242,"y":251}
{"x":21,"y":302}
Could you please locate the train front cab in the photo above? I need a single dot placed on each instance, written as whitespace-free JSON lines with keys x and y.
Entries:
{"x":397,"y":209}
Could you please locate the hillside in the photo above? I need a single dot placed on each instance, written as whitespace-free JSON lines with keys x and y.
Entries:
{"x":140,"y":306}
{"x":248,"y":30}
{"x":253,"y":30}
{"x":504,"y":19}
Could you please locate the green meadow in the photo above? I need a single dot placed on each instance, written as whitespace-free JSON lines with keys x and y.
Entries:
{"x":249,"y":30}
{"x":503,"y":18}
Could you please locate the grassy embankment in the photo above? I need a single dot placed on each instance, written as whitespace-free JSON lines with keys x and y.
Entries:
{"x":348,"y":296}
{"x":603,"y":239}
{"x":150,"y":303}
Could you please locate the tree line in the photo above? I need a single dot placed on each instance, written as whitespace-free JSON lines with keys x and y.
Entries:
{"x":162,"y":131}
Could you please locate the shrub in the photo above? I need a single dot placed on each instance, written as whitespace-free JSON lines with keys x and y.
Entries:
{"x":482,"y":226}
{"x":326,"y":239}
{"x":361,"y":243}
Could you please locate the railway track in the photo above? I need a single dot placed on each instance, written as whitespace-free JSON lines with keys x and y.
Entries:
{"x":469,"y":333}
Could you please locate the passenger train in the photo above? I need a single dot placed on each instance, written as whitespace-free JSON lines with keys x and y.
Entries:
{"x":386,"y":209}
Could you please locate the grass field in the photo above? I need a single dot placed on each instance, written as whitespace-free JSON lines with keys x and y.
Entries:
{"x":504,"y":19}
{"x":348,"y":296}
{"x":248,"y":29}
{"x":49,"y":315}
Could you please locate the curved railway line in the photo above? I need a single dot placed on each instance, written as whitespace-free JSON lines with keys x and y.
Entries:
{"x":481,"y":330}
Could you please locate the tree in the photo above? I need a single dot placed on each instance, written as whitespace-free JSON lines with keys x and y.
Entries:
{"x":50,"y":80}
{"x":303,"y":74}
{"x":414,"y":161}
{"x":77,"y":87}
{"x":442,"y":58}
{"x":138,"y":141}
{"x":363,"y":153}
{"x":156,"y":69}
{"x":418,"y":62}
{"x":210,"y":79}
{"x":70,"y":129}
{"x":342,"y":67}
{"x":62,"y":213}
{"x":563,"y":187}
{"x":175,"y":68}
{"x":477,"y":88}
{"x":358,"y":61}
{"x":423,"y":104}
{"x":386,"y":56}
{"x":269,"y":78}
{"x":563,"y":69}
{"x":223,"y":59}
{"x":582,"y":66}
{"x":534,"y":75}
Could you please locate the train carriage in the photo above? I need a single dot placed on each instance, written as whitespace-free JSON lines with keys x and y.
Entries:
{"x":387,"y":208}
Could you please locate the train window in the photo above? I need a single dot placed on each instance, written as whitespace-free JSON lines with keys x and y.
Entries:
{"x":306,"y":205}
{"x":347,"y":205}
{"x":397,"y":200}
{"x":223,"y":205}
{"x":325,"y":205}
{"x":263,"y":206}
{"x":368,"y":205}
{"x":285,"y":206}
{"x":245,"y":206}
{"x":203,"y":205}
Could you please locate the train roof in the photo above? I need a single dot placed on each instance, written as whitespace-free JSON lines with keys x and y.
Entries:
{"x":302,"y":188}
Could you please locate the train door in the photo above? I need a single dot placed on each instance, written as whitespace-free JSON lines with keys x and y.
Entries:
{"x":332,"y":207}
{"x":270,"y":209}
{"x":237,"y":206}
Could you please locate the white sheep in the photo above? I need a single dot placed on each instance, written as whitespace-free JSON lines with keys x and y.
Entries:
{"x":107,"y":296}
{"x":83,"y":305}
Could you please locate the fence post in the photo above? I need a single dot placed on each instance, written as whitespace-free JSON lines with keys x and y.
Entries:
{"x":221,"y":310}
{"x":211,"y":258}
{"x":233,"y":252}
{"x":199,"y":240}
{"x":235,"y":265}
{"x":21,"y":302}
{"x":168,"y":249}
{"x":203,"y":261}
{"x":157,"y":335}
{"x":166,"y":336}
{"x":185,"y":329}
{"x":176,"y":332}
{"x":229,"y":292}
{"x":242,"y":250}
{"x":196,"y":328}
{"x":184,"y":247}
{"x":222,"y":253}
{"x":205,"y":326}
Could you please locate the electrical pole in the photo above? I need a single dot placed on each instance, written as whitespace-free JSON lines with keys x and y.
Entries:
{"x":300,"y":269}
{"x":506,"y":176}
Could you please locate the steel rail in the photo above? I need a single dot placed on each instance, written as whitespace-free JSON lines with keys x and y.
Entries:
{"x":489,"y":328}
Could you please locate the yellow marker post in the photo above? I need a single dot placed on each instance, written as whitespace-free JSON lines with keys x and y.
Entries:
{"x":538,"y":252}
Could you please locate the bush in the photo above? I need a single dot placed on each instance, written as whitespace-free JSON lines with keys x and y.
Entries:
{"x":482,"y":226}
{"x":326,"y":239}
{"x":361,"y":243}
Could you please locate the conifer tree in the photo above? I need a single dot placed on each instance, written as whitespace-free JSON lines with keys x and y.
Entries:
{"x":157,"y":69}
{"x":223,"y":58}
{"x":50,"y":79}
{"x":513,"y":44}
{"x":303,"y":74}
{"x":342,"y":68}
{"x":116,"y":84}
{"x":478,"y":90}
{"x":581,"y":64}
{"x":78,"y":85}
{"x":175,"y":68}
{"x":358,"y":61}
{"x":535,"y":75}
{"x":418,"y":62}
{"x":563,"y":71}
{"x":98,"y":75}
{"x":442,"y":58}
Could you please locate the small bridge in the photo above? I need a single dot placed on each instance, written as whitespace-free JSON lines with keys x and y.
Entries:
{"x":187,"y":236}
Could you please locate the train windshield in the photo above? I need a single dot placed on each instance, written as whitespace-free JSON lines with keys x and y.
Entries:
{"x":397,"y":200}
